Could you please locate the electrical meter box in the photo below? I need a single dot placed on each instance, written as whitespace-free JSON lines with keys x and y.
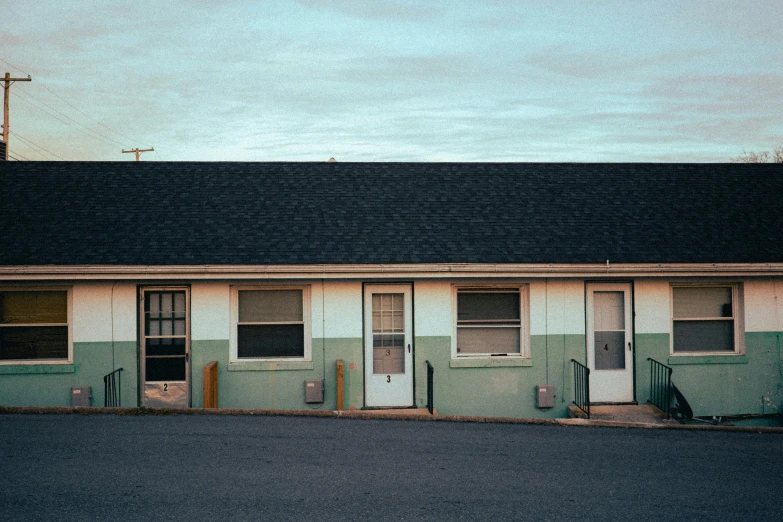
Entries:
{"x":545,"y":396}
{"x":314,"y":391}
{"x":80,"y":396}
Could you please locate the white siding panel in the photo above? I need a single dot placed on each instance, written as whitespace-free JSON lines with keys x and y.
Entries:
{"x":343,"y":303}
{"x":209,"y":311}
{"x":557,"y":307}
{"x":651,"y":304}
{"x":92,"y":312}
{"x":763,"y":305}
{"x":432,"y":306}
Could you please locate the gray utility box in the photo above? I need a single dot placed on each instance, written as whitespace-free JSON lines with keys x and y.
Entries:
{"x":314,"y":391}
{"x":80,"y":396}
{"x":545,"y":396}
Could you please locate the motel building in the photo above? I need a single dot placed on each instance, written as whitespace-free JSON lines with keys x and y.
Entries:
{"x":489,"y":289}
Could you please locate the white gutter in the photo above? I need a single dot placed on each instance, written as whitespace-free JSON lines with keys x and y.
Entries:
{"x":393,"y":271}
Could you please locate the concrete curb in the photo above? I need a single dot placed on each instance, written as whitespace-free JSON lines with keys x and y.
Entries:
{"x":372,"y":415}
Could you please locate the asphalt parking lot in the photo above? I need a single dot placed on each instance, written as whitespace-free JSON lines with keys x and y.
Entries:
{"x":101,"y":467}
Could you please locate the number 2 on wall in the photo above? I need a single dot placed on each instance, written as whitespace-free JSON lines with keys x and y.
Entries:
{"x":165,"y":387}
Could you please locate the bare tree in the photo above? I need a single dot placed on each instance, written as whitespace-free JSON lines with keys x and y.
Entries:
{"x":764,"y":156}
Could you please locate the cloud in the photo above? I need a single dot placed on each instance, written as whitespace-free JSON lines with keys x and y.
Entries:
{"x":408,"y":11}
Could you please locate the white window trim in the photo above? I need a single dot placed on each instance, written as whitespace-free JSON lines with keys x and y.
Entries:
{"x":737,"y":312}
{"x":524,"y":321}
{"x":306,"y":317}
{"x":69,"y":318}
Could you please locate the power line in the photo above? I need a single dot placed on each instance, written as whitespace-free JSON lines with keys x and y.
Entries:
{"x":35,"y":151}
{"x":61,"y":120}
{"x":17,"y":154}
{"x":38,"y":146}
{"x":68,"y":117}
{"x":40,"y":82}
{"x":59,"y":117}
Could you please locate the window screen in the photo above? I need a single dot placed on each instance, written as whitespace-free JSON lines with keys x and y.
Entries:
{"x":703,"y":319}
{"x":271,"y":324}
{"x":489,"y":321}
{"x":33,"y":325}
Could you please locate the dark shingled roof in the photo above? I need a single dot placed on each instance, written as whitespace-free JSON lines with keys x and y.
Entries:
{"x":150,"y":213}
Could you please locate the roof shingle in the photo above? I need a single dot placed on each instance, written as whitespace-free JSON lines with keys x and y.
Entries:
{"x":148,"y":213}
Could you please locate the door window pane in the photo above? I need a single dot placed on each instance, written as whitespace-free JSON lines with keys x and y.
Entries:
{"x":608,"y":311}
{"x":609,"y":350}
{"x":388,"y":333}
{"x":388,"y":353}
{"x":165,"y":369}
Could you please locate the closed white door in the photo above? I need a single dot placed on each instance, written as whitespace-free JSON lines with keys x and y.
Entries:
{"x":609,"y":342}
{"x":388,"y":350}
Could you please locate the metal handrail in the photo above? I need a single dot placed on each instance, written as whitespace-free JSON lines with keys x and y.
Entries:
{"x":582,"y":387}
{"x":430,"y":382}
{"x":112,"y":392}
{"x":660,"y":386}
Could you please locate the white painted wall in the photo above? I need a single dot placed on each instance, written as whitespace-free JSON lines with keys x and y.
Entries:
{"x":342,"y":302}
{"x":210,"y":311}
{"x":92,"y":312}
{"x":557,"y":307}
{"x":763,"y":306}
{"x":432,"y":307}
{"x":652,"y":304}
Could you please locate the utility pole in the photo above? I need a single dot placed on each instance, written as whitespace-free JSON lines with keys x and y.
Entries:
{"x":138,"y":151}
{"x":6,"y":97}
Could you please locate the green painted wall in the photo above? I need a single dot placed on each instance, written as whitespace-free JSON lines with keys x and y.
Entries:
{"x":724,"y":385}
{"x":280,"y":389}
{"x":499,"y":391}
{"x":38,"y":386}
{"x":750,"y":384}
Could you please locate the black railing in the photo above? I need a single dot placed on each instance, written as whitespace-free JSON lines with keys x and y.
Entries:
{"x":660,"y":386}
{"x":430,"y":379}
{"x":112,"y":394}
{"x":582,"y":387}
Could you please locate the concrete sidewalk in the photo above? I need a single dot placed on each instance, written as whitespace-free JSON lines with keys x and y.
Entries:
{"x":413,"y":414}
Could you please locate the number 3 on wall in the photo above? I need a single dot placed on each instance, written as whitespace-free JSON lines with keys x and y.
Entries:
{"x":388,"y":378}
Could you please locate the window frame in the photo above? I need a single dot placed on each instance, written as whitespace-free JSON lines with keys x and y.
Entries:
{"x":69,"y":324}
{"x":737,"y":315}
{"x":524,"y":321}
{"x":306,"y":321}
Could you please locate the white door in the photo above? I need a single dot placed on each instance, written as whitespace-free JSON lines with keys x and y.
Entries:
{"x":609,"y":342}
{"x":165,"y":348}
{"x":388,"y":351}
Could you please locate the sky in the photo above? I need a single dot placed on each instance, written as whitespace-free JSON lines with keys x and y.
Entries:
{"x":362,"y":80}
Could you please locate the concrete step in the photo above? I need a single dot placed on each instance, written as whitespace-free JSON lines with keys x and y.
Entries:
{"x":623,"y":413}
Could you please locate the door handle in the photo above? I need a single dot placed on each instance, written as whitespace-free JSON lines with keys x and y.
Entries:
{"x":409,"y":347}
{"x":629,"y":346}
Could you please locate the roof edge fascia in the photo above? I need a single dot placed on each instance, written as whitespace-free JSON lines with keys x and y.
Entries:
{"x":387,"y":271}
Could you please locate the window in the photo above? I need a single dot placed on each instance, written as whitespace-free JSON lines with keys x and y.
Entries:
{"x":34,"y":325}
{"x":490,"y":321}
{"x":272,"y":323}
{"x":704,"y":319}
